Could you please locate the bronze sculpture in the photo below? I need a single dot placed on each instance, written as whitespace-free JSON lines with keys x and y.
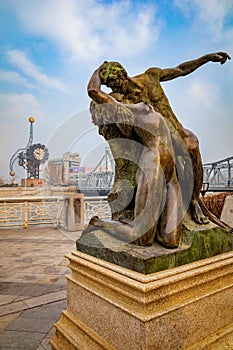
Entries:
{"x":115,"y":114}
{"x":158,"y":201}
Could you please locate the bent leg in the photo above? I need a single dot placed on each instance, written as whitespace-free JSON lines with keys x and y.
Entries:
{"x":170,"y":223}
{"x":194,"y":153}
{"x":124,"y":232}
{"x":150,"y":196}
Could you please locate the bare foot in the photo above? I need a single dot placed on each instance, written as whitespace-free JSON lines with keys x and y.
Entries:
{"x":197,"y":214}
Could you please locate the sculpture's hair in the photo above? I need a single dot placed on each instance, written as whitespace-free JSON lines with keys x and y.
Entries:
{"x":108,"y":68}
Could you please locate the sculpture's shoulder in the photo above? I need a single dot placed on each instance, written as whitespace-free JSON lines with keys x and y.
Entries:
{"x":150,"y":76}
{"x":153,"y":72}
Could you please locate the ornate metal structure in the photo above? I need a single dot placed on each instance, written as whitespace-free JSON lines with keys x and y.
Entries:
{"x":96,"y":206}
{"x":101,"y":177}
{"x":46,"y":210}
{"x":31,"y":211}
{"x":219,"y":175}
{"x":31,"y":156}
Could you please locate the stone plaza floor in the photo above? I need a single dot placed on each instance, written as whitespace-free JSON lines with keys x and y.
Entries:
{"x":33,"y":271}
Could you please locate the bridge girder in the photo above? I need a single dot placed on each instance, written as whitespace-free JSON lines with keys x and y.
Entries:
{"x":219,"y":174}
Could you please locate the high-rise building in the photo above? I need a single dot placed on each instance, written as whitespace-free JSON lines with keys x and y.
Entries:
{"x":65,"y":170}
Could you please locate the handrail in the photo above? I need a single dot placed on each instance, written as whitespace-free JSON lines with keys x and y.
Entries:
{"x":26,"y":211}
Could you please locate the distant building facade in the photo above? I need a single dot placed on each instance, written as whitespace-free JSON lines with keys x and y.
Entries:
{"x":65,"y":170}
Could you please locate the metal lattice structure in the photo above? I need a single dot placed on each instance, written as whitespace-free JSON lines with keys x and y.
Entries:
{"x":219,"y":175}
{"x":101,"y":177}
{"x":18,"y":212}
{"x":31,"y":156}
{"x":96,"y":206}
{"x":31,"y":211}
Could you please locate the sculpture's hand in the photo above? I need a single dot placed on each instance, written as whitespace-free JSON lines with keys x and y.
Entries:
{"x":219,"y":57}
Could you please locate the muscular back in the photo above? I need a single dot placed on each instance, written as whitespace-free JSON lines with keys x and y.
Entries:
{"x":147,"y":87}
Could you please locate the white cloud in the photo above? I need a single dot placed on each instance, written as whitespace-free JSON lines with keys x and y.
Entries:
{"x":204,"y":94}
{"x":203,"y":107}
{"x":87,"y":30}
{"x":19,"y":59}
{"x":14,"y":77}
{"x":15,"y":111}
{"x":211,"y":14}
{"x":18,"y":107}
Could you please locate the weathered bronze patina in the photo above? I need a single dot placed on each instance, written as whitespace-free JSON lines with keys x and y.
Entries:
{"x":158,"y":167}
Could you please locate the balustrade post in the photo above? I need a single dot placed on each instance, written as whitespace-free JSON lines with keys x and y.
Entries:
{"x":25,"y":214}
{"x":74,"y":212}
{"x":101,"y":211}
{"x":4,"y":210}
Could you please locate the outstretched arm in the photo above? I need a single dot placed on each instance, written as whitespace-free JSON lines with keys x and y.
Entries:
{"x":190,"y":66}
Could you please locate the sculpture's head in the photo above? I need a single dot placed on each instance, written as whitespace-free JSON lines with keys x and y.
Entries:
{"x":114,"y":75}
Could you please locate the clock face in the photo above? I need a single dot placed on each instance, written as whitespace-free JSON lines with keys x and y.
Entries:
{"x":39,"y":153}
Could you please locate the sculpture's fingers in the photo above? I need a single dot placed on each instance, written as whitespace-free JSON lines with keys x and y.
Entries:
{"x":223,"y":60}
{"x":225,"y":57}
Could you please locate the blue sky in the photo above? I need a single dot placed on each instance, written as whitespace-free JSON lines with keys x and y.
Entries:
{"x":49,"y":49}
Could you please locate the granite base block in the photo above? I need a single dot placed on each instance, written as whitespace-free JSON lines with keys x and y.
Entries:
{"x":227,"y":212}
{"x":110,"y":307}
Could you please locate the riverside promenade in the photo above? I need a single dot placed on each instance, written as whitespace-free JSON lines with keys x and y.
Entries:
{"x":33,"y":271}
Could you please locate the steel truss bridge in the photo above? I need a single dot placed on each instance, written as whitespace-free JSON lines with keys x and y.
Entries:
{"x":218,"y":176}
{"x":100,"y":179}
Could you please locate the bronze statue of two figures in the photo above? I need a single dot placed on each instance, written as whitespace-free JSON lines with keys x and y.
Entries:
{"x":158,"y":167}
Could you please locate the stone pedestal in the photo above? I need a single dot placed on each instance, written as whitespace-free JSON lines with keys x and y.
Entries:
{"x":196,"y":242}
{"x":113,"y":308}
{"x":227,"y":212}
{"x":74,"y":212}
{"x":32,"y":182}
